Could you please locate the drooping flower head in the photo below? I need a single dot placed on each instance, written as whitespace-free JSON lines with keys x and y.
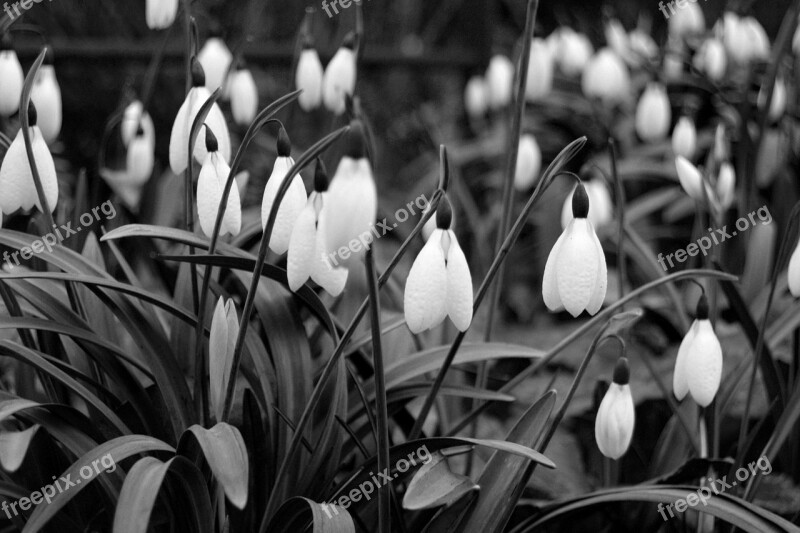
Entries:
{"x":698,"y":367}
{"x":292,"y":203}
{"x":439,"y":283}
{"x":179,"y":138}
{"x":221,"y":343}
{"x":309,"y":76}
{"x":215,"y":58}
{"x":613,"y":427}
{"x":653,"y":113}
{"x":17,"y":190}
{"x":210,"y":186}
{"x":244,"y":96}
{"x":11,"y":76}
{"x":46,"y":94}
{"x":160,"y":14}
{"x":575,"y":276}
{"x":339,"y":79}
{"x":352,"y":201}
{"x":307,"y":256}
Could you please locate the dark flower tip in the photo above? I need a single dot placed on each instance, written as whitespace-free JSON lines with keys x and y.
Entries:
{"x":444,"y":214}
{"x":284,"y":144}
{"x":320,"y":177}
{"x":211,"y":140}
{"x":349,"y":41}
{"x":355,"y":144}
{"x":33,"y":116}
{"x":702,"y":308}
{"x":580,"y":202}
{"x":308,"y":42}
{"x":198,"y":74}
{"x":5,"y":42}
{"x":622,"y":373}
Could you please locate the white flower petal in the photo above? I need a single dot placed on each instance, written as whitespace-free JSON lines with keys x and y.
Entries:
{"x":217,"y":354}
{"x":11,"y":87}
{"x":577,"y":267}
{"x":15,"y":178}
{"x":139,"y":161}
{"x":309,"y":78}
{"x":46,"y":96}
{"x":459,"y":285}
{"x":290,"y":208}
{"x":244,"y":97}
{"x":613,"y":426}
{"x":131,"y":120}
{"x":179,"y":137}
{"x":232,"y":220}
{"x":793,"y":272}
{"x":339,"y":79}
{"x":599,"y":294}
{"x":704,"y":364}
{"x":325,"y":272}
{"x":550,"y":294}
{"x":215,"y":58}
{"x":653,"y":113}
{"x":46,"y":168}
{"x":302,"y":245}
{"x":680,"y":378}
{"x":160,"y":14}
{"x":209,"y":195}
{"x":690,"y":178}
{"x":425,"y":295}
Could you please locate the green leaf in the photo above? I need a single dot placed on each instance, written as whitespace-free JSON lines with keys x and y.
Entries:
{"x":435,"y":484}
{"x":14,"y":447}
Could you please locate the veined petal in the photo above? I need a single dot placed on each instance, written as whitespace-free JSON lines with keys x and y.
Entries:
{"x":425,"y":295}
{"x":216,"y":121}
{"x":302,"y":245}
{"x":577,"y":267}
{"x":209,"y":195}
{"x":324,"y":272}
{"x":46,"y":168}
{"x":459,"y":285}
{"x":232,"y":221}
{"x":690,"y":178}
{"x":680,"y":379}
{"x":15,"y":175}
{"x":599,"y":293}
{"x":614,"y":423}
{"x":552,"y":299}
{"x":179,"y":136}
{"x":290,"y":208}
{"x":704,"y":364}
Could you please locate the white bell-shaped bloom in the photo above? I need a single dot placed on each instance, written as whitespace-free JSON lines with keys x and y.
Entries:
{"x":756,"y":37}
{"x":570,"y":50}
{"x":529,"y":162}
{"x":339,"y":79}
{"x":575,"y":275}
{"x":684,"y":138}
{"x":606,"y":77}
{"x":244,"y":97}
{"x":352,"y":202}
{"x":499,"y":79}
{"x":698,"y":367}
{"x":796,"y":41}
{"x":721,"y":143}
{"x":641,"y":46}
{"x":12,"y":80}
{"x":602,"y":211}
{"x":540,"y":71}
{"x":210,"y":186}
{"x":160,"y":14}
{"x":215,"y":58}
{"x":653,"y":113}
{"x":221,"y":343}
{"x":215,"y":120}
{"x":139,"y":159}
{"x":46,"y":95}
{"x":672,"y":65}
{"x":617,"y":38}
{"x":132,"y":119}
{"x":309,"y":78}
{"x":794,"y":272}
{"x":293,"y":201}
{"x":439,"y":283}
{"x":16,"y":179}
{"x":726,"y":185}
{"x":690,"y":177}
{"x":307,"y":256}
{"x":778,"y":104}
{"x":687,"y":20}
{"x":711,"y":59}
{"x":613,"y":427}
{"x":476,"y":97}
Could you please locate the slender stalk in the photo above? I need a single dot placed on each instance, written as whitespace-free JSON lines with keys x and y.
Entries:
{"x":384,"y":510}
{"x":620,"y":190}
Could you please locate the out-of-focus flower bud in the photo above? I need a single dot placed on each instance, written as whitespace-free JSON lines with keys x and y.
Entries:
{"x":215,"y":58}
{"x":132,"y":119}
{"x":499,"y":79}
{"x":613,"y":427}
{"x":476,"y":97}
{"x":46,"y":94}
{"x":642,"y":47}
{"x":616,"y":37}
{"x":690,"y":178}
{"x":540,"y":71}
{"x":653,"y":113}
{"x":726,"y":185}
{"x":309,"y":78}
{"x":778,"y":104}
{"x":684,"y":138}
{"x":756,"y":37}
{"x":711,"y":59}
{"x":139,"y":159}
{"x":571,"y":51}
{"x":606,"y":77}
{"x":339,"y":79}
{"x":721,"y":146}
{"x":529,"y":162}
{"x":11,"y":74}
{"x":687,"y":20}
{"x":160,"y":14}
{"x":244,"y":97}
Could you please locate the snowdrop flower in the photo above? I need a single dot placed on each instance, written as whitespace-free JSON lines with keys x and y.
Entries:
{"x":307,"y":257}
{"x":794,"y":272}
{"x":606,"y":77}
{"x":499,"y":79}
{"x":778,"y":104}
{"x":210,"y":186}
{"x":613,"y":427}
{"x":755,"y":36}
{"x":179,"y":138}
{"x":293,"y":201}
{"x":439,"y":283}
{"x":726,"y":185}
{"x":602,"y":211}
{"x":46,"y":95}
{"x":215,"y":58}
{"x":139,"y":159}
{"x":690,"y":178}
{"x":529,"y":162}
{"x":616,"y":38}
{"x":132,"y":118}
{"x":160,"y":14}
{"x":352,"y":202}
{"x":540,"y":71}
{"x":573,"y":52}
{"x":221,"y":342}
{"x":687,"y":20}
{"x":16,"y":179}
{"x":711,"y":59}
{"x":744,"y":38}
{"x":309,"y":77}
{"x":641,"y":46}
{"x":13,"y":79}
{"x":244,"y":96}
{"x":698,"y":367}
{"x":476,"y":97}
{"x":575,"y":275}
{"x":684,"y":138}
{"x":653,"y":113}
{"x":339,"y":79}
